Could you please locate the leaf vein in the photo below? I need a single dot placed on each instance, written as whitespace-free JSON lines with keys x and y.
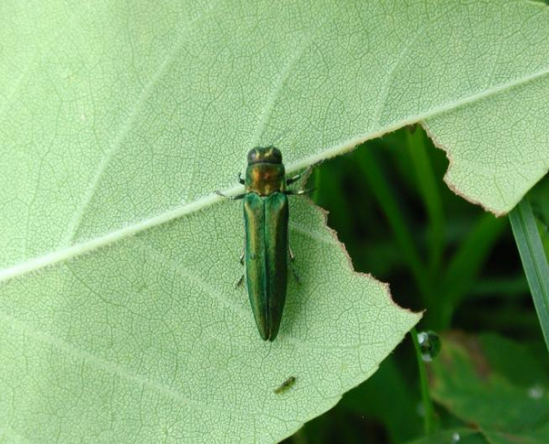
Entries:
{"x":70,"y":252}
{"x":125,"y":128}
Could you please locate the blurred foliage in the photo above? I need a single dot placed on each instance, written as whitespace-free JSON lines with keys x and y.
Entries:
{"x":494,"y":385}
{"x":443,"y":255}
{"x":455,"y":436}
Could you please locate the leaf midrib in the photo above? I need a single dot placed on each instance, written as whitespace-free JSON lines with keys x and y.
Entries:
{"x":110,"y":238}
{"x":75,"y":222}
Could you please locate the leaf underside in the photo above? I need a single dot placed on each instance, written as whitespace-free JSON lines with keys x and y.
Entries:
{"x":118,"y":316}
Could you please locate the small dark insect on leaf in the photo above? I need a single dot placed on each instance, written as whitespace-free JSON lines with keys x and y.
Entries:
{"x":285,"y":385}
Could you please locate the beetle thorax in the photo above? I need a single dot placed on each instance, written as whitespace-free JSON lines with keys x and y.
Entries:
{"x":265,"y":178}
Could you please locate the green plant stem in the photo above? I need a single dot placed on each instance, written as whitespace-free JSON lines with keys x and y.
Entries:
{"x":464,"y":268}
{"x":431,"y":196}
{"x":387,"y":201}
{"x":327,"y":183}
{"x":533,"y":259}
{"x":429,"y":410}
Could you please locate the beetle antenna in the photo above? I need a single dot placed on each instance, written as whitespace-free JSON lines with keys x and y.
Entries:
{"x":280,"y":136}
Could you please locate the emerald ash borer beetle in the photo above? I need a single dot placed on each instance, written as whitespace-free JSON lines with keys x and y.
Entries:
{"x":267,"y":254}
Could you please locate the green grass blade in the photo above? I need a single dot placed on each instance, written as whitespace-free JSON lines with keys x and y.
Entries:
{"x":431,"y":195}
{"x":429,"y":410}
{"x":533,"y":259}
{"x":387,"y":200}
{"x":466,"y":265}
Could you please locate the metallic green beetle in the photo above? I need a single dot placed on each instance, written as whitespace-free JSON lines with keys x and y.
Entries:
{"x":266,"y":248}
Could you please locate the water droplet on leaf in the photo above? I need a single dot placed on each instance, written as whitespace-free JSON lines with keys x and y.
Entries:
{"x":429,"y":344}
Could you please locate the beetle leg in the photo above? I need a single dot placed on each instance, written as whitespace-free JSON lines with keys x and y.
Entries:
{"x":240,"y":180}
{"x":241,"y":260}
{"x":292,"y":259}
{"x":292,"y":255}
{"x":239,"y":282}
{"x":291,"y":180}
{"x":299,"y":192}
{"x":240,"y":196}
{"x":296,"y":276}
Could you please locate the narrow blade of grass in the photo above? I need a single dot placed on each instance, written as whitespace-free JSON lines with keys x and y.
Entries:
{"x":429,"y":410}
{"x":431,"y":195}
{"x":533,"y":259}
{"x":386,"y":199}
{"x":466,"y":265}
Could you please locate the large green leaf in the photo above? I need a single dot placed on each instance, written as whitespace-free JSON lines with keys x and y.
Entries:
{"x":495,"y":385}
{"x":536,"y":437}
{"x":118,"y":317}
{"x":149,"y":339}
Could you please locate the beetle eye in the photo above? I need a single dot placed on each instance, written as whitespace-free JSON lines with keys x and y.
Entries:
{"x":268,"y":154}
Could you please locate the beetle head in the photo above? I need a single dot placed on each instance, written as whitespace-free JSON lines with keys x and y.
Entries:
{"x":268,"y":154}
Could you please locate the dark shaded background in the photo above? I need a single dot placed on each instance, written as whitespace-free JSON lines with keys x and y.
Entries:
{"x":400,"y":222}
